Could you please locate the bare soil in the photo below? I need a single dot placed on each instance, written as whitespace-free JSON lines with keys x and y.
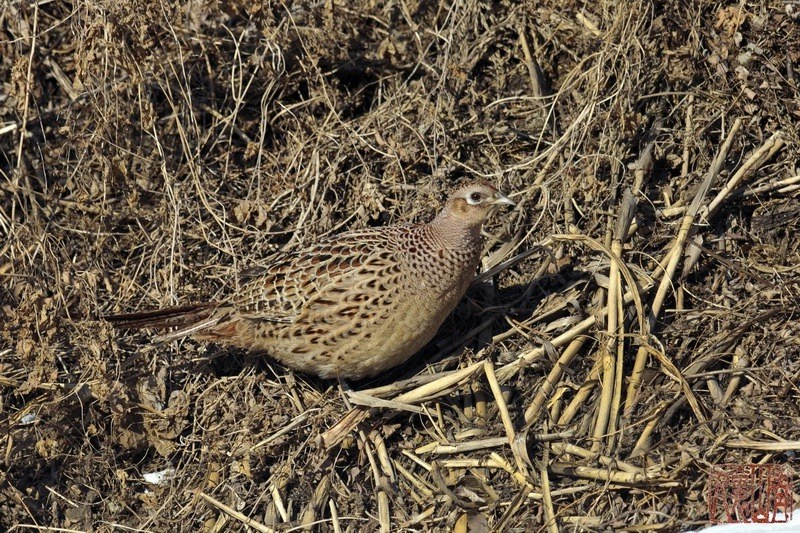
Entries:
{"x":640,"y":325}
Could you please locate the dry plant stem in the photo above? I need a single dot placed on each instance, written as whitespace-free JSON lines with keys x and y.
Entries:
{"x":437,"y":448}
{"x":539,"y":85}
{"x":364,"y":400}
{"x":553,"y":377}
{"x":480,"y":278}
{"x":587,"y":487}
{"x":4,"y":268}
{"x":399,"y":387}
{"x":8,"y":447}
{"x":602,"y":474}
{"x":687,"y":138}
{"x":299,"y":419}
{"x":621,"y":232}
{"x":421,"y":517}
{"x":563,"y":448}
{"x":688,"y":395}
{"x":220,"y":524}
{"x":574,"y":406}
{"x":740,"y":361}
{"x":506,"y":372}
{"x":630,"y":279}
{"x":605,"y":420}
{"x":642,"y":444}
{"x":749,"y":444}
{"x":589,"y":25}
{"x":428,"y":391}
{"x":714,"y":390}
{"x":605,"y":359}
{"x":35,"y":527}
{"x":337,"y":528}
{"x":643,"y":441}
{"x":441,"y":386}
{"x":278,"y":501}
{"x":547,"y":498}
{"x":418,"y":484}
{"x":275,"y":488}
{"x":728,"y":343}
{"x":384,"y":518}
{"x":674,"y":256}
{"x":499,"y":400}
{"x":779,"y":185}
{"x":20,"y":170}
{"x":318,"y":499}
{"x":608,"y":365}
{"x":26,"y":100}
{"x":558,"y":145}
{"x":351,"y":419}
{"x":614,"y":421}
{"x":753,"y":163}
{"x":632,"y":296}
{"x":504,"y":523}
{"x":481,"y":407}
{"x":783,"y":186}
{"x":387,"y":465}
{"x":384,"y":515}
{"x":520,"y":455}
{"x":642,"y":166}
{"x":592,"y":522}
{"x":233,"y":513}
{"x":498,"y":461}
{"x":534,"y":72}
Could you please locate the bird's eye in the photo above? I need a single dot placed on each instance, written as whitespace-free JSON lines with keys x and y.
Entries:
{"x":475,"y":198}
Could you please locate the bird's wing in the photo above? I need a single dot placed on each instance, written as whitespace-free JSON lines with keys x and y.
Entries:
{"x":332,"y":271}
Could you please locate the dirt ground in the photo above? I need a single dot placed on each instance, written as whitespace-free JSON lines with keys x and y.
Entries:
{"x":638,"y":324}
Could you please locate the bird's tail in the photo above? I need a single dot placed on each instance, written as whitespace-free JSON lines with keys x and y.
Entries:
{"x":189,"y":319}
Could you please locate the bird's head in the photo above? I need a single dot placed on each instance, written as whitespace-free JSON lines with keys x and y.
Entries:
{"x":472,"y":204}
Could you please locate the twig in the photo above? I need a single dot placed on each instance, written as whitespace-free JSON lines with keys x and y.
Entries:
{"x":672,"y":258}
{"x":233,"y":513}
{"x":607,"y":475}
{"x":612,"y":351}
{"x":547,"y":497}
{"x":588,"y":24}
{"x":552,"y":378}
{"x":488,"y":368}
{"x":318,"y":499}
{"x":337,"y":528}
{"x":753,"y":163}
{"x":779,"y":185}
{"x":438,"y":448}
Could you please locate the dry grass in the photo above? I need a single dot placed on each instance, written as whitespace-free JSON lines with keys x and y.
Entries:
{"x":624,"y":343}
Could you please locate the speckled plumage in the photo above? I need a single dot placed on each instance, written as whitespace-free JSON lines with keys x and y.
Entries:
{"x":352,"y":305}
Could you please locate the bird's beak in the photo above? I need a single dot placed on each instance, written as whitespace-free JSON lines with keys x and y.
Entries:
{"x":502,"y":199}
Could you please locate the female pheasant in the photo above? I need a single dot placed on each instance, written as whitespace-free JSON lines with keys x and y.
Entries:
{"x":352,"y":305}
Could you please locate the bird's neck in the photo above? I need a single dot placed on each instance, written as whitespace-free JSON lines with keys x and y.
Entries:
{"x":455,"y":232}
{"x":454,"y":250}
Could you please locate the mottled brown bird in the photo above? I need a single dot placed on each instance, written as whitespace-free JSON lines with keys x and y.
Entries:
{"x":352,"y":305}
